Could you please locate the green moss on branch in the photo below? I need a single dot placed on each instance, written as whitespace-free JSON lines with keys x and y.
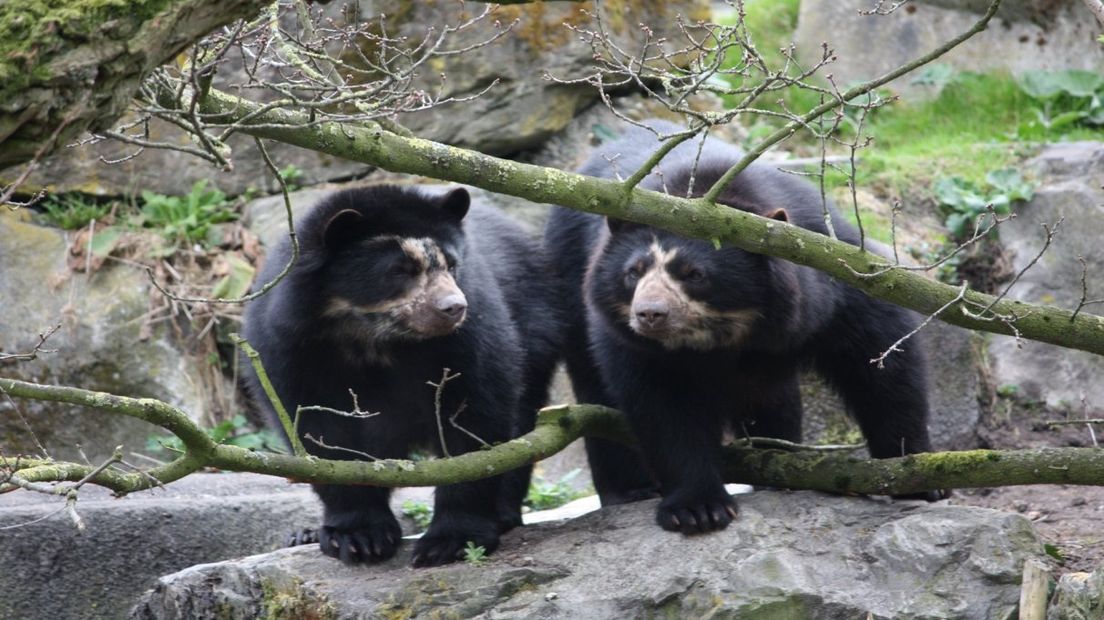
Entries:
{"x":691,"y":217}
{"x":556,"y":428}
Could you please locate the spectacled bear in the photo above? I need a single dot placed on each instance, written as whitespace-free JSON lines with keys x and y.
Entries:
{"x":393,"y":286}
{"x":689,"y":340}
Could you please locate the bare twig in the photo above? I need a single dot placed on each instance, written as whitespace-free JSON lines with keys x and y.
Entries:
{"x":880,"y":360}
{"x":26,"y":357}
{"x":321,"y":442}
{"x":782,"y":444}
{"x":1085,"y":301}
{"x":439,"y":389}
{"x":880,"y":7}
{"x":356,"y":412}
{"x":456,"y":425}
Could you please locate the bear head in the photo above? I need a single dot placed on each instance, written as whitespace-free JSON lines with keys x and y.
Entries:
{"x":387,"y":261}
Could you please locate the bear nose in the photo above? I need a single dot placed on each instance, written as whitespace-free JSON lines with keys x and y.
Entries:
{"x":452,"y":306}
{"x":652,"y":313}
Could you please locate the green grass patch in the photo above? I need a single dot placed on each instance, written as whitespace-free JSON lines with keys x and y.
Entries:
{"x":72,"y":211}
{"x":968,"y":130}
{"x":546,"y":495}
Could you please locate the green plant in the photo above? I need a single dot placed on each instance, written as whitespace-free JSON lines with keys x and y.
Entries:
{"x":420,"y":512}
{"x":291,"y":174}
{"x":233,"y":432}
{"x":72,"y":211}
{"x":474,"y":555}
{"x":936,"y":74}
{"x":1065,"y":98}
{"x":186,"y":219}
{"x":963,"y":201}
{"x":544,"y":495}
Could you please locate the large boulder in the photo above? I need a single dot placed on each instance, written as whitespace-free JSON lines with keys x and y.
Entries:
{"x":104,"y":343}
{"x":789,"y":555}
{"x":1070,"y":177}
{"x":128,"y":543}
{"x":519,"y":112}
{"x":1025,"y":35}
{"x":53,"y":570}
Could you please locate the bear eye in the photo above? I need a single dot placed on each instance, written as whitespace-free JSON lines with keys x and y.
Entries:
{"x":405,"y":267}
{"x":634,"y":272}
{"x":695,"y":275}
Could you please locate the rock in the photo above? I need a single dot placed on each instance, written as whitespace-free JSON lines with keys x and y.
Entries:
{"x":1070,"y":178}
{"x":128,"y":543}
{"x":100,"y":346}
{"x":520,"y":112}
{"x":1025,"y":35}
{"x":789,"y":555}
{"x":1078,"y":596}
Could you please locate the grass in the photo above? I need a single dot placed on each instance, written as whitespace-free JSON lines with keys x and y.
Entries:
{"x":72,"y":211}
{"x":974,"y":126}
{"x":546,"y":495}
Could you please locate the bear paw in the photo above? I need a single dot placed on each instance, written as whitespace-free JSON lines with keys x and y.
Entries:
{"x":696,"y":515}
{"x":374,"y":542}
{"x":305,"y":536}
{"x":445,"y":542}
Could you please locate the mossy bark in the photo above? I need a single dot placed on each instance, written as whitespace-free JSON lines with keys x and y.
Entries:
{"x":691,"y":217}
{"x":556,"y":428}
{"x":67,"y":67}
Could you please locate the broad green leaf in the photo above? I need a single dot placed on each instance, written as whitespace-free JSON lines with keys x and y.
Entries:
{"x":104,"y":241}
{"x":956,"y":223}
{"x":236,"y":283}
{"x":1040,"y":84}
{"x":1004,"y":178}
{"x":1079,"y":82}
{"x":1067,"y":118}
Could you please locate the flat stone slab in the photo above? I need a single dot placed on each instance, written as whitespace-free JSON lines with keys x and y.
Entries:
{"x":788,"y":555}
{"x":52,"y":570}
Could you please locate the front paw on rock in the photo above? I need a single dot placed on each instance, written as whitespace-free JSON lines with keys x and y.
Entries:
{"x":696,"y":515}
{"x":446,"y":547}
{"x":370,"y":544}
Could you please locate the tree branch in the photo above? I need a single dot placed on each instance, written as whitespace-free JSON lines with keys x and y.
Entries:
{"x":556,"y":428}
{"x":690,"y":217}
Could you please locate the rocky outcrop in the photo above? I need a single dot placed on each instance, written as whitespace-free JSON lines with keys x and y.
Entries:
{"x":789,"y":555}
{"x":1025,"y":35}
{"x":104,"y":343}
{"x":1070,"y":177}
{"x":52,"y":570}
{"x":519,"y":112}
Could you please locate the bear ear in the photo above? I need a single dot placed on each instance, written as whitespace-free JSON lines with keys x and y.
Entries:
{"x":455,"y":203}
{"x":778,"y":214}
{"x":343,"y":227}
{"x":618,"y":226}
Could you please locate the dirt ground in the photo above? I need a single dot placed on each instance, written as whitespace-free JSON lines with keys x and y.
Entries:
{"x":1070,"y":518}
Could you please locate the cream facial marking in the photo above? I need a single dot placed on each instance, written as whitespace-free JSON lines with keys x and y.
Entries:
{"x":431,"y":305}
{"x":663,"y":311}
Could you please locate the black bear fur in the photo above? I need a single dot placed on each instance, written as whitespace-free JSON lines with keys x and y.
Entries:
{"x":763,"y":320}
{"x":324,"y":331}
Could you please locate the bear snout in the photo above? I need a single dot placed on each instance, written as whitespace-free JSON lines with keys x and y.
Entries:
{"x":451,"y":307}
{"x":652,"y":314}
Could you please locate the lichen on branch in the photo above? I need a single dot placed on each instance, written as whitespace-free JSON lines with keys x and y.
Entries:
{"x":556,"y":428}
